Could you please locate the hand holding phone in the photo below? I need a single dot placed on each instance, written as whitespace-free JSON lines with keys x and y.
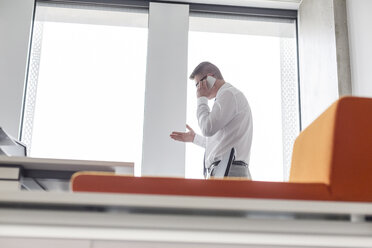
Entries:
{"x":204,"y":89}
{"x":210,"y":81}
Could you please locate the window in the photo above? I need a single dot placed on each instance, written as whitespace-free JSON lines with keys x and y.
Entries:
{"x":85,"y":94}
{"x":258,"y":56}
{"x":86,"y":83}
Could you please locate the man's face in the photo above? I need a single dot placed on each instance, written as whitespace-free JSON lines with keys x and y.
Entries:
{"x":202,"y":89}
{"x":199,"y":78}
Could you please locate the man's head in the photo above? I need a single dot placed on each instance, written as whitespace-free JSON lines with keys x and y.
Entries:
{"x":199,"y":75}
{"x":204,"y":69}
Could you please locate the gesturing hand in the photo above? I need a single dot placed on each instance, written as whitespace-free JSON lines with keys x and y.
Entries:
{"x":184,"y":136}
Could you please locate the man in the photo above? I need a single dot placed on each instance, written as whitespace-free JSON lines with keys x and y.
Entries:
{"x":228,"y":125}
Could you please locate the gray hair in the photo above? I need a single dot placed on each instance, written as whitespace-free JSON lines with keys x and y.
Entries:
{"x":204,"y":68}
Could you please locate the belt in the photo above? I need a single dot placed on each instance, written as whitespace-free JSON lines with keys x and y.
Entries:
{"x":235,"y":162}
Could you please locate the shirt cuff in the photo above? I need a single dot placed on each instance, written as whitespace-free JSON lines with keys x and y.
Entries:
{"x":198,"y":140}
{"x":202,"y":100}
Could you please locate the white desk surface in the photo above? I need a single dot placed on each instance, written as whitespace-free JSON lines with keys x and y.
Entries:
{"x":184,"y":202}
{"x":181,"y":221}
{"x":67,"y":164}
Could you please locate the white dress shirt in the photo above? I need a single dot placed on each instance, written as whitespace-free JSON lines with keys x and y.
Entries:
{"x":228,"y":125}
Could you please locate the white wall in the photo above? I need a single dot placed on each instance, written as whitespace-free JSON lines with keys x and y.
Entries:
{"x":15,"y":26}
{"x":166,"y":89}
{"x":360,"y":37}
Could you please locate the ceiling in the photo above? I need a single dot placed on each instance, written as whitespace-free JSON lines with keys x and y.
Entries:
{"x":276,"y":4}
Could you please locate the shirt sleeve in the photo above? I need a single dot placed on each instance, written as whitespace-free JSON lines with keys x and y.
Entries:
{"x":200,"y":140}
{"x":223,"y":111}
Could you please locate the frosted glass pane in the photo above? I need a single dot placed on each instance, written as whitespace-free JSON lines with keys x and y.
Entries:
{"x":253,"y":62}
{"x":86,"y":86}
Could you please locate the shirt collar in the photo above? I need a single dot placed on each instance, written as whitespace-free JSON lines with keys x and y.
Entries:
{"x":223,"y":87}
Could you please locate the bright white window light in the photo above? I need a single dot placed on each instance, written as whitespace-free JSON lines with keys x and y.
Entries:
{"x":86,"y":84}
{"x":249,"y":53}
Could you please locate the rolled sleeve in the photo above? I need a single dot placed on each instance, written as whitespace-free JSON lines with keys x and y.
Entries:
{"x":199,"y":140}
{"x":202,"y":101}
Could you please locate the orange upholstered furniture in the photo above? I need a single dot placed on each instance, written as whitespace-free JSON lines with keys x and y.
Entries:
{"x":332,"y":160}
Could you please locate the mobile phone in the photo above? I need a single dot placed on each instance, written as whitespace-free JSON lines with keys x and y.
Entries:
{"x":210,"y":81}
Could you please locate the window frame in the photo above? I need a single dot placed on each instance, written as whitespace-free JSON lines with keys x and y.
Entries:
{"x":193,"y":7}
